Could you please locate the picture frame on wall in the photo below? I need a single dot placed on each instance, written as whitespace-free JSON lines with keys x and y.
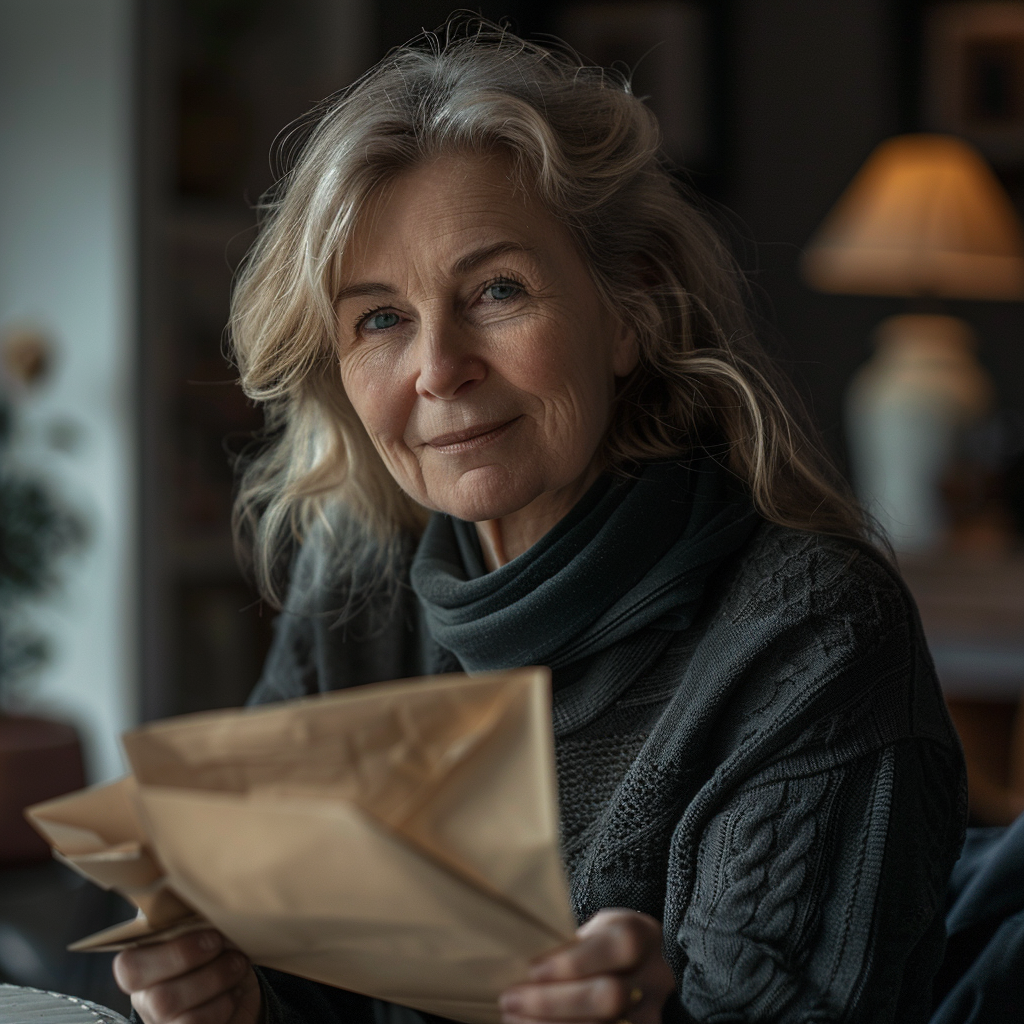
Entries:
{"x":974,"y":76}
{"x":662,"y":46}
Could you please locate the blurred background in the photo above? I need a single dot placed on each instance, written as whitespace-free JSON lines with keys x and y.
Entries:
{"x":135,"y":141}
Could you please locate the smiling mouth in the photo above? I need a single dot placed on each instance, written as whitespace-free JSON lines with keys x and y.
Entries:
{"x":471,"y":437}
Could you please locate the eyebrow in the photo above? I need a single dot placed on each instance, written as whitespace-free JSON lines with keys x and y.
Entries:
{"x":474,"y":259}
{"x":370,"y":288}
{"x":463,"y":265}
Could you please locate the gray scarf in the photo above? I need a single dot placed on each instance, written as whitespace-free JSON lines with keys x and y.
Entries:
{"x":631,"y":553}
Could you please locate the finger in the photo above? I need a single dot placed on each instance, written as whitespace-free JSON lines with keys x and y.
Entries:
{"x":605,"y":997}
{"x":248,"y":1007}
{"x":144,"y":966}
{"x":217,"y":1011}
{"x":611,"y":941}
{"x":169,"y":1000}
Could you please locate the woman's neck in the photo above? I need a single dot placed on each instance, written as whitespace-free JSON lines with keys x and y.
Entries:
{"x":506,"y":538}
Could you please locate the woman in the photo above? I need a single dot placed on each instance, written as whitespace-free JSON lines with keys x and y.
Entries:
{"x":518,"y":417}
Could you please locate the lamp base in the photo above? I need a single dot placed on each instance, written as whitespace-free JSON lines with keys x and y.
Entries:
{"x":906,"y":410}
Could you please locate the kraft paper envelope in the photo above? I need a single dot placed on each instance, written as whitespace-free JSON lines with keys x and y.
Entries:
{"x":399,"y":839}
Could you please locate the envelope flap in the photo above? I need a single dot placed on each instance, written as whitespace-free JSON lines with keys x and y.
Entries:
{"x":58,"y":834}
{"x":91,"y":820}
{"x":384,"y":747}
{"x":127,"y":867}
{"x":98,"y":833}
{"x":514,"y":853}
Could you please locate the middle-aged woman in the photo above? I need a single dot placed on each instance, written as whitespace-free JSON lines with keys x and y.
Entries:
{"x":517,"y":417}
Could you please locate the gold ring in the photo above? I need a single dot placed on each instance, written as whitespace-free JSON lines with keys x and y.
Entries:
{"x":636,"y":996}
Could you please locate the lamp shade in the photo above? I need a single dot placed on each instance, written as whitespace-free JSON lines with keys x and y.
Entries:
{"x":925,"y":216}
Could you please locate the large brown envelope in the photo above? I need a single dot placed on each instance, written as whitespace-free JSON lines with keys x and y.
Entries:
{"x":399,"y":840}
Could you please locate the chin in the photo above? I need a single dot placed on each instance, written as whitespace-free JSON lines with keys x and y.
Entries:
{"x":488,"y":493}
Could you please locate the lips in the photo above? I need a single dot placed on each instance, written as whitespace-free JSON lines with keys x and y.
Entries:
{"x":471,"y":437}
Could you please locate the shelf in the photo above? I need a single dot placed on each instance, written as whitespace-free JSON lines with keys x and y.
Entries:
{"x":972,"y":608}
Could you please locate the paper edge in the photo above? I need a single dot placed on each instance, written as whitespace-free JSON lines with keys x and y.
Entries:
{"x":368,"y":691}
{"x":122,"y":936}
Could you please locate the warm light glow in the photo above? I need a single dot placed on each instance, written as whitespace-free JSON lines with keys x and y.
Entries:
{"x":924,"y":216}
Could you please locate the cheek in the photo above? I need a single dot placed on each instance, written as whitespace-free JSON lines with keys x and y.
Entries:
{"x":378,"y":399}
{"x":575,"y":378}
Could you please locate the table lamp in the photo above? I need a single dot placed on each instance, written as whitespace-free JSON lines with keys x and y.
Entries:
{"x":924,"y":219}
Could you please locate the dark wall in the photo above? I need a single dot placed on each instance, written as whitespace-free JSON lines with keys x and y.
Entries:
{"x":816,"y":85}
{"x":815,"y":88}
{"x":802,"y":92}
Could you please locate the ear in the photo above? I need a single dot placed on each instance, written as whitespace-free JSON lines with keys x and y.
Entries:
{"x":625,"y":350}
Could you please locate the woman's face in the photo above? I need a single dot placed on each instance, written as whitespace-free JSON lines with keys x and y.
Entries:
{"x":474,"y":345}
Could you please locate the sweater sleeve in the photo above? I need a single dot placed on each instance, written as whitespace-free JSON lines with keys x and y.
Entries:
{"x":811,"y":885}
{"x":815,"y":895}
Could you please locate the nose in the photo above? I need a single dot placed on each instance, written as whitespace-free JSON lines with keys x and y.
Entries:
{"x":448,"y":366}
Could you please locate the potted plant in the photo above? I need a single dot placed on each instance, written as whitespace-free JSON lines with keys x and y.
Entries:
{"x":39,"y":758}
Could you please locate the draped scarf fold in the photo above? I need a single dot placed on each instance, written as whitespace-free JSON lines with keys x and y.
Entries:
{"x":630,"y":554}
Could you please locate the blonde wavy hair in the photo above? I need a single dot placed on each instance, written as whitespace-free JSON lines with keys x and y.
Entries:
{"x":582,"y":142}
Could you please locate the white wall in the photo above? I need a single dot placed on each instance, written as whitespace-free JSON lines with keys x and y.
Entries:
{"x":67,"y":266}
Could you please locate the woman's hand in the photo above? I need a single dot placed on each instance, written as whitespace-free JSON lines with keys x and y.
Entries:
{"x":197,"y":978}
{"x":614,"y":973}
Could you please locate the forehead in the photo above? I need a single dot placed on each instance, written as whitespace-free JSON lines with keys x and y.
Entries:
{"x":444,"y":208}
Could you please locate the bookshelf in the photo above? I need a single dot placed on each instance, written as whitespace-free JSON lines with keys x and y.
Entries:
{"x":218,"y":83}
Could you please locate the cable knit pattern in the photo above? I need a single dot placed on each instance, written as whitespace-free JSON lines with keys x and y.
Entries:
{"x":779,"y":783}
{"x":744,"y":914}
{"x":754,"y":913}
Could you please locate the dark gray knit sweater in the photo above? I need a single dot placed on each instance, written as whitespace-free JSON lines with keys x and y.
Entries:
{"x":779,"y":783}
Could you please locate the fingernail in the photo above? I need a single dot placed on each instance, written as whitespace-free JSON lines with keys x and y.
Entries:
{"x":209,"y":941}
{"x":509,"y":1002}
{"x":238,"y":962}
{"x":539,"y":972}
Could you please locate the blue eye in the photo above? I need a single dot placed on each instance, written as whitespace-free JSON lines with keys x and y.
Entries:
{"x":381,"y":321}
{"x":502,"y":291}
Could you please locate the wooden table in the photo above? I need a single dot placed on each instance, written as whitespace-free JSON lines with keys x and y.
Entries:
{"x":972,"y":608}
